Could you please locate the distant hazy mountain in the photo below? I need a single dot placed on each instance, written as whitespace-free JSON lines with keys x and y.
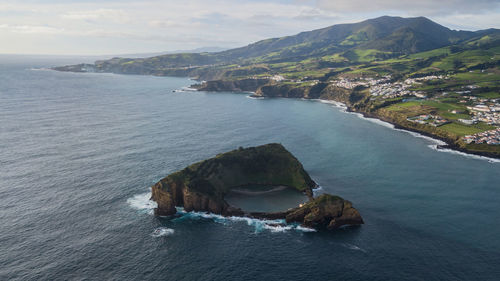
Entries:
{"x":197,"y":50}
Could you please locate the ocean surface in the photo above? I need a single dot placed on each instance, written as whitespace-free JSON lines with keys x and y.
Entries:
{"x":78,"y":153}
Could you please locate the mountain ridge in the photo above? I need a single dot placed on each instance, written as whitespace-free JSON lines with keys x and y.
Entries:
{"x":397,"y":35}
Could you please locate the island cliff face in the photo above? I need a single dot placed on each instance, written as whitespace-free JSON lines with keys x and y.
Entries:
{"x":203,"y":185}
{"x":325,"y":211}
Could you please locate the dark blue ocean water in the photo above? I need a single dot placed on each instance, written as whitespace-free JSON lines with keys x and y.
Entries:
{"x":78,"y":153}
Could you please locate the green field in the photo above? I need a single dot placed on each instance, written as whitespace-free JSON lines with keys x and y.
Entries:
{"x":463,"y":130}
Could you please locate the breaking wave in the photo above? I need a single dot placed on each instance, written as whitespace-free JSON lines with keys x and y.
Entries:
{"x":184,"y":90}
{"x":472,"y":156}
{"x":334,"y":103}
{"x":143,"y":203}
{"x":162,"y":231}
{"x":259,"y":225}
{"x":318,"y":190}
{"x":189,"y":89}
{"x":255,"y":98}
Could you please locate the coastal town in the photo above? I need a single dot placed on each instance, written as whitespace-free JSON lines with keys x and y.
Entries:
{"x":384,"y":88}
{"x":484,"y":110}
{"x":478,"y":109}
{"x":488,"y":137}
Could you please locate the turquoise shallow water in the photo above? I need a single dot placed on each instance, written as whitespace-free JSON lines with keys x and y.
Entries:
{"x":78,"y":153}
{"x":274,"y":200}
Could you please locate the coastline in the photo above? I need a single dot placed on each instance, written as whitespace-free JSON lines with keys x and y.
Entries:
{"x":442,"y":144}
{"x":446,"y":145}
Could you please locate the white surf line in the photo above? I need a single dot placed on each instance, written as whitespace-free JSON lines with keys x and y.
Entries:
{"x":255,"y":98}
{"x":188,"y":89}
{"x":473,"y":156}
{"x":274,"y":226}
{"x":437,"y":142}
{"x":38,"y":69}
{"x":334,"y":103}
{"x":143,"y":203}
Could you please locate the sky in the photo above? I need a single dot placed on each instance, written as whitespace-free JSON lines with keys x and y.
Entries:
{"x":104,"y":27}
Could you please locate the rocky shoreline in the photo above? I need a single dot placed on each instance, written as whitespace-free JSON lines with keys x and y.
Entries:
{"x":449,"y":143}
{"x":201,"y":187}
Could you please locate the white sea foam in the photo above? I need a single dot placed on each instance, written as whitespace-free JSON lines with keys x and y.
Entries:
{"x":334,"y":103}
{"x":417,"y":135}
{"x":305,"y":229}
{"x":317,"y":189}
{"x":39,"y":69}
{"x":472,"y":156}
{"x":258,"y":224}
{"x":277,"y":228}
{"x":189,"y":89}
{"x":353,"y":247}
{"x":185,"y":89}
{"x":162,"y":231}
{"x":255,"y":98}
{"x":376,"y":121}
{"x":143,"y":203}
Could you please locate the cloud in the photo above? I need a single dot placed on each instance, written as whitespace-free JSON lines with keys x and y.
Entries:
{"x":114,"y":15}
{"x":159,"y":25}
{"x":419,"y":7}
{"x":315,"y":14}
{"x":470,"y":21}
{"x":31,"y":29}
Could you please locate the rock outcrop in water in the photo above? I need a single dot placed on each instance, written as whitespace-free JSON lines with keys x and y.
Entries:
{"x":325,"y":211}
{"x":203,"y":186}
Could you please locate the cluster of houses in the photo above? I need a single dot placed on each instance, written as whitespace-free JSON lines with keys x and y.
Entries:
{"x":280,"y":78}
{"x":277,"y":78}
{"x":382,"y":87}
{"x":362,"y":81}
{"x":428,"y":119}
{"x":392,"y":90}
{"x":425,"y":78}
{"x":491,"y":118}
{"x":487,"y":111}
{"x":401,"y":88}
{"x":489,"y":137}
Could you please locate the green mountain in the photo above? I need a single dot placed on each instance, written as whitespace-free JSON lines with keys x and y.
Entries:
{"x":373,"y":39}
{"x":401,"y":35}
